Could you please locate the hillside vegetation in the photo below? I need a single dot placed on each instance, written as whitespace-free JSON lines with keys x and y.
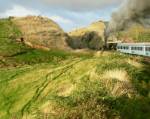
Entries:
{"x":91,"y":37}
{"x":8,"y":35}
{"x":41,"y":32}
{"x":134,"y":33}
{"x":56,"y":84}
{"x":110,"y":86}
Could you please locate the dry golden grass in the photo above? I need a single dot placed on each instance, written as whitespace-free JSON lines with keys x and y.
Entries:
{"x":50,"y":110}
{"x":98,"y":54}
{"x":49,"y":107}
{"x":120,"y":75}
{"x":93,"y":75}
{"x":134,"y":63}
{"x":65,"y":89}
{"x":27,"y":116}
{"x":102,"y":53}
{"x":117,"y":82}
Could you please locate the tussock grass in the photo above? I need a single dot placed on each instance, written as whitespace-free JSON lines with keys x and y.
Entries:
{"x":120,"y":75}
{"x":118,"y":83}
{"x":66,"y":85}
{"x":134,"y":63}
{"x":65,"y":90}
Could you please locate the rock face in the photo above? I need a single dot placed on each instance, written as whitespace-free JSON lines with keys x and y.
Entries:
{"x":41,"y":32}
{"x":91,"y":36}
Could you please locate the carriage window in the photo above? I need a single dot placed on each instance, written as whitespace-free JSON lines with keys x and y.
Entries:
{"x":136,"y":48}
{"x":123,"y":47}
{"x":127,"y":47}
{"x":147,"y":48}
{"x":132,"y":48}
{"x":139,"y":48}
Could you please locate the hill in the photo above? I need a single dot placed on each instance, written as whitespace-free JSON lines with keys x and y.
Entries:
{"x":8,"y":35}
{"x":15,"y":53}
{"x":91,"y":36}
{"x":57,"y":84}
{"x":134,"y":33}
{"x":40,"y":32}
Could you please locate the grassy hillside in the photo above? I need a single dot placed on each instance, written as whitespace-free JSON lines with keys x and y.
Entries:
{"x":8,"y":33}
{"x":55,"y":84}
{"x":14,"y":53}
{"x":37,"y":32}
{"x":91,"y":37}
{"x":135,"y":33}
{"x":41,"y":32}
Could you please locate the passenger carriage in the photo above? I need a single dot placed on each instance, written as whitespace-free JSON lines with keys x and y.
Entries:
{"x":134,"y":48}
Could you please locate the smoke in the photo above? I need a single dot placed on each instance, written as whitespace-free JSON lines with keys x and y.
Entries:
{"x":131,"y":11}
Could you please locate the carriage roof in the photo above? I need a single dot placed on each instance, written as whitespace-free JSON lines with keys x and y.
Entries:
{"x":134,"y":44}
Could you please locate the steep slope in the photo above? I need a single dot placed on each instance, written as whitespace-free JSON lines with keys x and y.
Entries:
{"x":41,"y":32}
{"x":91,"y":36}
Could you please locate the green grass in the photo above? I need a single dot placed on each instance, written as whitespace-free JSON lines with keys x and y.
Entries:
{"x":31,"y":89}
{"x":13,"y":53}
{"x":8,"y":33}
{"x":8,"y":29}
{"x":36,"y":84}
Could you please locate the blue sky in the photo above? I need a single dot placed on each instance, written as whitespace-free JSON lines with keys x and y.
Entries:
{"x":69,"y":14}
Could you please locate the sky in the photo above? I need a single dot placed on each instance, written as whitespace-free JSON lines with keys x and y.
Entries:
{"x":69,"y":14}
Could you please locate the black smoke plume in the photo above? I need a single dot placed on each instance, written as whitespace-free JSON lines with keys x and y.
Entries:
{"x":131,"y":11}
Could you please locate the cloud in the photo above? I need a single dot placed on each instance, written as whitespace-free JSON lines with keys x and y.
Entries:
{"x":60,"y":19}
{"x":81,"y":5}
{"x":71,"y":5}
{"x":68,"y":14}
{"x":18,"y":10}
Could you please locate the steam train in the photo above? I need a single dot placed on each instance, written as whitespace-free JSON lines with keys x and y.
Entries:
{"x":142,"y":49}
